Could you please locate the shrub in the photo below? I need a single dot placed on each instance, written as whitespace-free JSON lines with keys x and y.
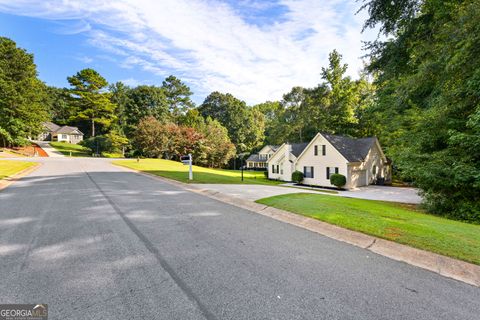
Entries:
{"x":338,"y":180}
{"x":265,"y":174}
{"x":297,"y":176}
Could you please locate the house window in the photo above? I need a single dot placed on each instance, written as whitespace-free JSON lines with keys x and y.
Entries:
{"x":324,"y":150}
{"x":331,"y":170}
{"x":308,"y":172}
{"x":315,"y":151}
{"x":278,"y":168}
{"x":64,"y":136}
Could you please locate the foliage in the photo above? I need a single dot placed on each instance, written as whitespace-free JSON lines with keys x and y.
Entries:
{"x":338,"y":105}
{"x":297,"y":176}
{"x":338,"y":180}
{"x":178,"y":96}
{"x":216,"y":148}
{"x":97,"y":144}
{"x":245,"y":125}
{"x":23,"y":101}
{"x":144,"y":101}
{"x":393,"y":221}
{"x":428,"y":98}
{"x":93,"y":104}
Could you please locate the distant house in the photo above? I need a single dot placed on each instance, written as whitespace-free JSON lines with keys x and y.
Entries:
{"x":55,"y":132}
{"x":259,"y":160}
{"x":361,"y":161}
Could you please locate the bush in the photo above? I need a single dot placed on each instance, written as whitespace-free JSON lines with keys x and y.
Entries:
{"x":338,"y":180}
{"x":97,"y":144}
{"x":297,"y":176}
{"x":265,"y":174}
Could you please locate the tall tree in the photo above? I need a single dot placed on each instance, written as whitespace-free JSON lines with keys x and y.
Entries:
{"x":92,"y":101}
{"x":145,"y":101}
{"x":23,"y":101}
{"x":245,"y":127}
{"x":428,"y":79}
{"x":178,"y":96}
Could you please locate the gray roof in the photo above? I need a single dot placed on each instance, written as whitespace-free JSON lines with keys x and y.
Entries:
{"x":68,"y":130}
{"x":352,"y":149}
{"x":50,"y":126}
{"x":254,"y":157}
{"x":298,"y":148}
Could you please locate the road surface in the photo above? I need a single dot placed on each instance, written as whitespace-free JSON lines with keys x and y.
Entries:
{"x":96,"y":242}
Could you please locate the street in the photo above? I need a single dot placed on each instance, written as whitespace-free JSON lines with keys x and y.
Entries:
{"x":94,"y":241}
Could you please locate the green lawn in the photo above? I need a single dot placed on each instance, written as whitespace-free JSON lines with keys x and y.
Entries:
{"x":75,"y":149}
{"x":397,"y":222}
{"x":9,"y":168}
{"x":177,"y":171}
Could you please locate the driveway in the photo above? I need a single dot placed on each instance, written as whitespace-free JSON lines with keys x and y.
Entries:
{"x":45,"y":145}
{"x":255,"y":192}
{"x":96,"y":242}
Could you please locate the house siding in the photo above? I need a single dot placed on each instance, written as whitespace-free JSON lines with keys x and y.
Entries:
{"x":319,"y":162}
{"x":285,"y":161}
{"x":362,"y":173}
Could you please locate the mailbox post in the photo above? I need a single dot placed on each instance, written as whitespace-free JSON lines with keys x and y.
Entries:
{"x":187,"y":160}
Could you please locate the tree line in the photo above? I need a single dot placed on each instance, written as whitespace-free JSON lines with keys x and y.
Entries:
{"x":419,"y":94}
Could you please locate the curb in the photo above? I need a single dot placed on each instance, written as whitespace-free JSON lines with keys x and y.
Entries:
{"x":442,"y":265}
{"x":9,"y":180}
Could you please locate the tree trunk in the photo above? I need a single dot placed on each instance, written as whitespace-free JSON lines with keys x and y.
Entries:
{"x":93,"y":128}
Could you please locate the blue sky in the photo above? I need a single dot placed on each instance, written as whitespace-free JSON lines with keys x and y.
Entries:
{"x":256,"y":50}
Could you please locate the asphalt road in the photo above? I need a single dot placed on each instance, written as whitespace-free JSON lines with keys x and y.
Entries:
{"x":96,"y":242}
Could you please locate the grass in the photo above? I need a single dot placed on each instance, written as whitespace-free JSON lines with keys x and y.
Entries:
{"x":177,"y":171}
{"x":401,"y":223}
{"x":9,"y":168}
{"x":67,"y":148}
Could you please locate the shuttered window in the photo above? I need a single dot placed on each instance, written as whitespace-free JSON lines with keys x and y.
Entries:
{"x":324,"y":150}
{"x":315,"y":151}
{"x":308,"y":172}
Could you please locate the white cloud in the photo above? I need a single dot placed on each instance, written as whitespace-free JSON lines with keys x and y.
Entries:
{"x":213,"y":45}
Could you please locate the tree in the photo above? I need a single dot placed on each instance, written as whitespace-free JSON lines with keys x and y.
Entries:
{"x":61,"y":108}
{"x":145,"y":101}
{"x":151,"y":137}
{"x":428,"y":96}
{"x":178,"y":96}
{"x":93,"y":103}
{"x":216,"y":148}
{"x":23,"y":100}
{"x":245,"y":126}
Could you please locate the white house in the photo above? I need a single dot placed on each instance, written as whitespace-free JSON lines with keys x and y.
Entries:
{"x":281,"y":164}
{"x":361,"y":161}
{"x":259,"y":160}
{"x":55,"y":132}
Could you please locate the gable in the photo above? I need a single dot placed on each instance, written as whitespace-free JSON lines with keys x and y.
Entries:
{"x":331,"y":151}
{"x":275,"y":157}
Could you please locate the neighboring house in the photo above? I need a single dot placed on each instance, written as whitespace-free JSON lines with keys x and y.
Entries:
{"x":46,"y":135}
{"x":361,"y":161}
{"x":259,"y":160}
{"x":54,"y":132}
{"x":281,"y":164}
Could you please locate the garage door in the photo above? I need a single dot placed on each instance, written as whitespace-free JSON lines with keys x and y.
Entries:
{"x":362,"y":178}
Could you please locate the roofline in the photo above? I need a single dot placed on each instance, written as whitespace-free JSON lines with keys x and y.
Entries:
{"x":273,"y":154}
{"x":308,"y":146}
